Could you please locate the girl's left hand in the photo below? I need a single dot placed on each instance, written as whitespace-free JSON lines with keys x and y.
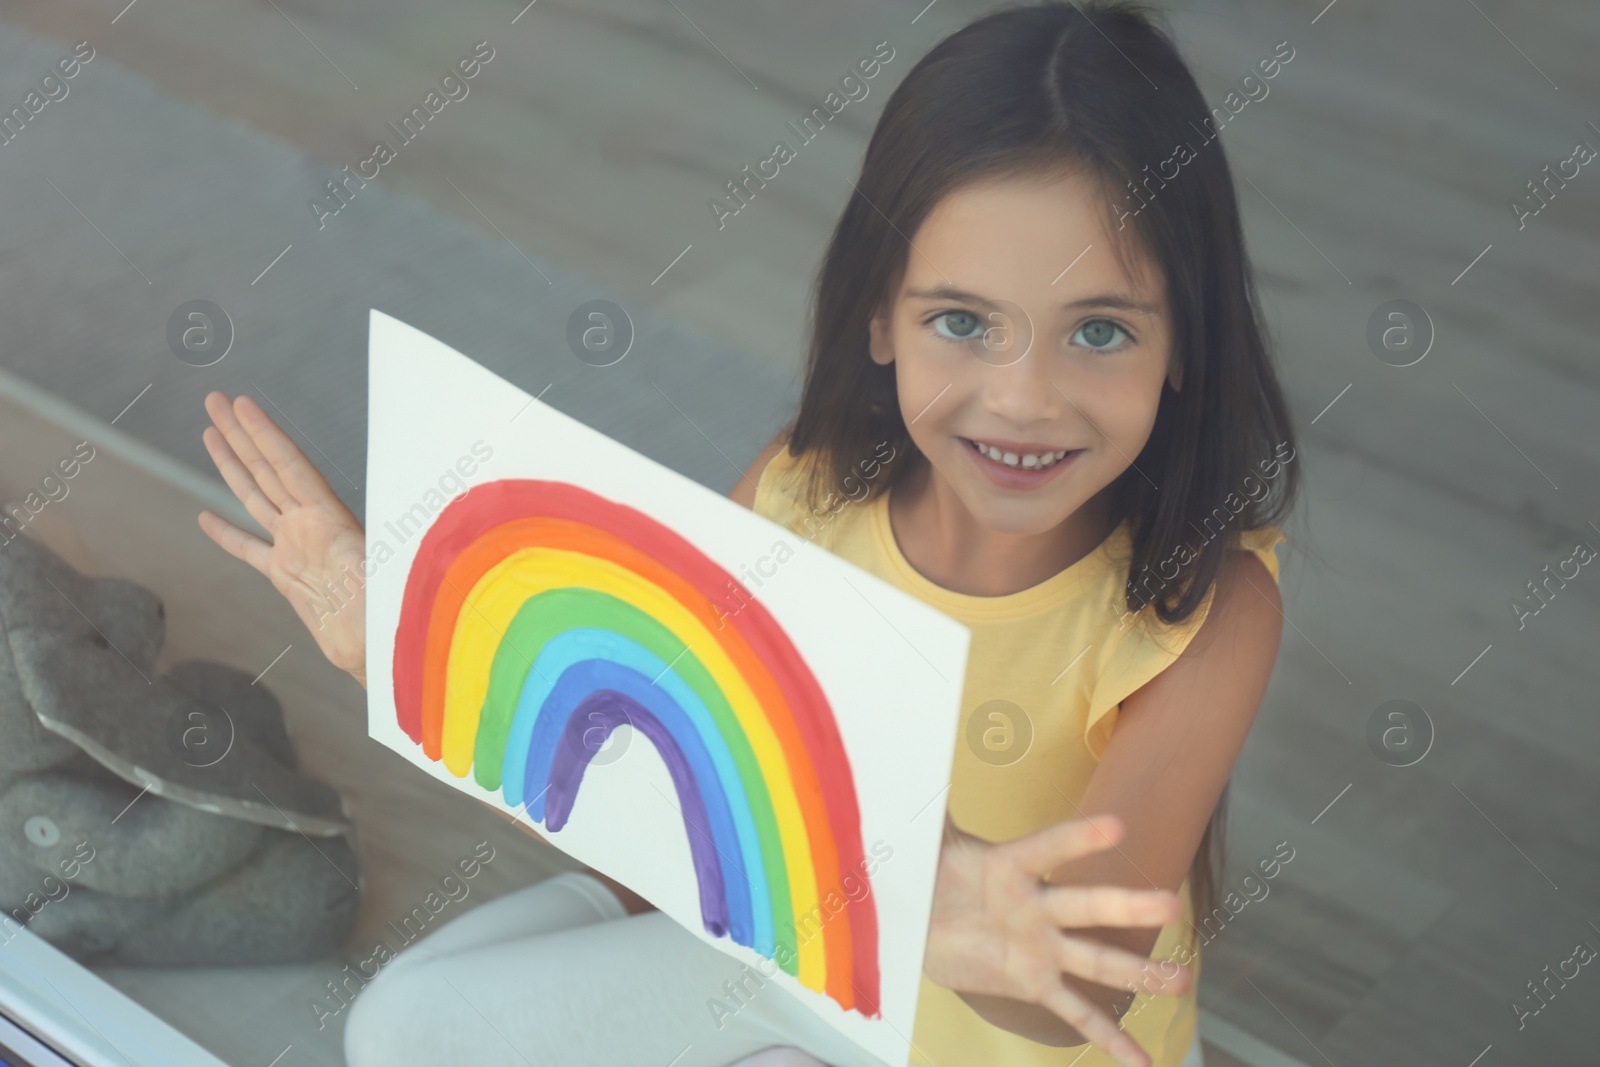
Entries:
{"x":996,"y":927}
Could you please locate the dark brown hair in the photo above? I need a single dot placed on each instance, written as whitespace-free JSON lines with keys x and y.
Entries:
{"x":1099,"y":89}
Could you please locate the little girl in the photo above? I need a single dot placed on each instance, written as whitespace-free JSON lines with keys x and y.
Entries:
{"x":1039,"y":398}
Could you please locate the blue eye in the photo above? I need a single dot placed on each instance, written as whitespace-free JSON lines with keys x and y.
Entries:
{"x":965,"y":327}
{"x":1097,"y":335}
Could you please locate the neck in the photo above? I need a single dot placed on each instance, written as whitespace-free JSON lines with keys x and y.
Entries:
{"x":949,"y":546}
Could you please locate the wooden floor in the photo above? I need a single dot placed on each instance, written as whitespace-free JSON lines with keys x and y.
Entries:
{"x":1421,"y":900}
{"x":131,"y":513}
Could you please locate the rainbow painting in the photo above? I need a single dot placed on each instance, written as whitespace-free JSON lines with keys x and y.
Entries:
{"x":683,"y":694}
{"x":538,"y":617}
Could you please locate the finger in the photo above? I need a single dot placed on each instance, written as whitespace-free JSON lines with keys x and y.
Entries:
{"x":1042,"y":852}
{"x":1119,"y":969}
{"x":1095,"y":1025}
{"x":244,"y":447}
{"x":236,"y":542}
{"x":240,"y":480}
{"x":294,"y":470}
{"x":1110,"y":905}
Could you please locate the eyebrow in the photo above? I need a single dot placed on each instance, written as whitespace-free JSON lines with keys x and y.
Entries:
{"x":1102,"y":300}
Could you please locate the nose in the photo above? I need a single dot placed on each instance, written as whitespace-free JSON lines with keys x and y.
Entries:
{"x":1021,"y":391}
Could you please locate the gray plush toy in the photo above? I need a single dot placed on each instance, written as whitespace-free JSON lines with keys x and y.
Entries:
{"x":145,"y":820}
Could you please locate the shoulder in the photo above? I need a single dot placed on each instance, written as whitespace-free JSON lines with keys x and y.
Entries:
{"x":1244,"y":594}
{"x":1224,"y":667}
{"x":1218,"y":679}
{"x":1245,"y":577}
{"x":1228,"y":643}
{"x":1245,"y":603}
{"x":744,"y":491}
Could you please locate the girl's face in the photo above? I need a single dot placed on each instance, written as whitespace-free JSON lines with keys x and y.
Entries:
{"x":1016,"y":334}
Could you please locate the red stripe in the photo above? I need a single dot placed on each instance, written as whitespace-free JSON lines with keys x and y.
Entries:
{"x":829,"y":777}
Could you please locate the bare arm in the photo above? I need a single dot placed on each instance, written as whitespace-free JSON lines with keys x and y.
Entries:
{"x":1174,"y":745}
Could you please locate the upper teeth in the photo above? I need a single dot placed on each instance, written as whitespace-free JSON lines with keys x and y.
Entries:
{"x":1027,"y":460}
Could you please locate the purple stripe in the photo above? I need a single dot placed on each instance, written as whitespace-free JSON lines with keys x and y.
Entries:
{"x":608,"y":709}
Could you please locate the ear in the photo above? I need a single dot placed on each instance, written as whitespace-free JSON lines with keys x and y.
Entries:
{"x":879,"y":344}
{"x":1175,"y":374}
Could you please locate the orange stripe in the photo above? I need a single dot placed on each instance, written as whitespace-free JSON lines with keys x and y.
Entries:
{"x":501,"y":541}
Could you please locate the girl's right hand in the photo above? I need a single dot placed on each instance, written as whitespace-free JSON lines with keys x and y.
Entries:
{"x":318,"y":547}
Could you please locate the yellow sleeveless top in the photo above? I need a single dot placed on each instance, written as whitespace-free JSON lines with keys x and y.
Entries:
{"x":1047,"y":670}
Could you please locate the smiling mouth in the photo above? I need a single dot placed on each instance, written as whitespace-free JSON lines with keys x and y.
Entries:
{"x":1024,"y":461}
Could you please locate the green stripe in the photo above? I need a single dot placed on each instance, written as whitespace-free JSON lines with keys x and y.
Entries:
{"x":555,"y":611}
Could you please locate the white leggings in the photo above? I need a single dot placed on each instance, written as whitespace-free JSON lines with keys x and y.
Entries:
{"x":558,"y":973}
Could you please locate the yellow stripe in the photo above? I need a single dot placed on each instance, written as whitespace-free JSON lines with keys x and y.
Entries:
{"x":482,"y":624}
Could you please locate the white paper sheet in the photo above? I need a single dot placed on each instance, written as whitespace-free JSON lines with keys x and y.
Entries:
{"x":440,"y":424}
